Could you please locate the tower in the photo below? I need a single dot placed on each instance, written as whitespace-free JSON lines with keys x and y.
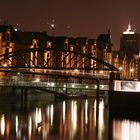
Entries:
{"x":129,"y":48}
{"x":129,"y":43}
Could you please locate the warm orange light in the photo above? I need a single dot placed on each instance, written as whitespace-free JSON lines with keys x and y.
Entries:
{"x":131,"y":70}
{"x":120,"y":68}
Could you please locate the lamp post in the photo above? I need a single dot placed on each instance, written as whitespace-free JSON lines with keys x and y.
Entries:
{"x":20,"y":77}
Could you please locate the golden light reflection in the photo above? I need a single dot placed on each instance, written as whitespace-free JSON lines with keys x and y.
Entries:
{"x":30,"y":127}
{"x":17,"y":124}
{"x":86,"y":112}
{"x":95,"y":113}
{"x":51,"y":113}
{"x":126,"y":130}
{"x":100,"y":118}
{"x":64,"y":111}
{"x":38,"y":118}
{"x":75,"y":121}
{"x":48,"y":111}
{"x":2,"y":122}
{"x":17,"y":128}
{"x":74,"y":116}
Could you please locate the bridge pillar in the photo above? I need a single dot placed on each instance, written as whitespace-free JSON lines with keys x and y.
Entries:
{"x":111,"y":82}
{"x":24,"y":98}
{"x":66,"y":86}
{"x":97,"y":93}
{"x":97,"y":106}
{"x":80,"y":90}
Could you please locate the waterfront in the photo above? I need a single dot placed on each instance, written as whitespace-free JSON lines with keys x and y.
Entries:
{"x":73,"y":119}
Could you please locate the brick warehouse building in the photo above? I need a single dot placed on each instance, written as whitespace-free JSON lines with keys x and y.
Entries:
{"x":11,"y":39}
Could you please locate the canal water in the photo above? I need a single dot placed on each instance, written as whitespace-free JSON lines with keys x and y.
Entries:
{"x":44,"y":118}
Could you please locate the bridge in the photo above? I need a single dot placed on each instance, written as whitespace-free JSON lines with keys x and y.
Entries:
{"x":58,"y":71}
{"x":62,"y":89}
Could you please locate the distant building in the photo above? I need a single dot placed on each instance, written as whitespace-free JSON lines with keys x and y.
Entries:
{"x":104,"y":49}
{"x":129,"y":54}
{"x":101,"y":48}
{"x":130,"y":43}
{"x":104,"y":46}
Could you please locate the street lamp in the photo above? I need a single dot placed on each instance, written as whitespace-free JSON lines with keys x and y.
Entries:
{"x":53,"y":29}
{"x":37,"y":80}
{"x":18,"y":73}
{"x":5,"y":65}
{"x":120,"y":68}
{"x":52,"y":25}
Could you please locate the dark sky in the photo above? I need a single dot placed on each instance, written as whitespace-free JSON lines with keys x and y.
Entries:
{"x":86,"y":18}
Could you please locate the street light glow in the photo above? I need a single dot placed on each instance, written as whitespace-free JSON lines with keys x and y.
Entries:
{"x":37,"y":80}
{"x":5,"y":65}
{"x":120,"y":68}
{"x":131,"y":70}
{"x":52,"y":25}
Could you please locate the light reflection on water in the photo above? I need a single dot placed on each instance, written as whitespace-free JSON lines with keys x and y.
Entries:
{"x":2,"y":124}
{"x":66,"y":120}
{"x":71,"y":120}
{"x":126,"y":130}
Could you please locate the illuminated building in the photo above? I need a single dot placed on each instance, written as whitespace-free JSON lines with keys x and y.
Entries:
{"x":129,"y":54}
{"x":15,"y":39}
{"x":6,"y":44}
{"x":104,"y":49}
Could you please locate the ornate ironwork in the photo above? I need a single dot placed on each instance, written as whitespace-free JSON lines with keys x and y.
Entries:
{"x":48,"y":58}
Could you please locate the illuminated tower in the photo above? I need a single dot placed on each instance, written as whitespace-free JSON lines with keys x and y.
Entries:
{"x":129,"y":48}
{"x":129,"y":43}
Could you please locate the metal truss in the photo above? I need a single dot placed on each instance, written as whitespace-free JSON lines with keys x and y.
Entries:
{"x":52,"y":59}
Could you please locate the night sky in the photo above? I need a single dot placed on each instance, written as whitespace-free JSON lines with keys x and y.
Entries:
{"x":75,"y":18}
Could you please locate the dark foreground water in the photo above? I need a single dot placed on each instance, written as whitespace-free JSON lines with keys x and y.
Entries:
{"x":45,"y":119}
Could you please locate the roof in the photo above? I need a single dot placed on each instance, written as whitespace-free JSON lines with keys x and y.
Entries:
{"x":26,"y":38}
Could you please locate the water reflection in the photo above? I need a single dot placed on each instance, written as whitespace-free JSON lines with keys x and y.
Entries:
{"x":99,"y":119}
{"x":30,"y":127}
{"x":66,"y":120}
{"x":126,"y":130}
{"x":2,"y":123}
{"x":38,"y":119}
{"x":86,"y":112}
{"x":64,"y":111}
{"x":73,"y":118}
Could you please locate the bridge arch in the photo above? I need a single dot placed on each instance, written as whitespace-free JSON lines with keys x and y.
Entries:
{"x":49,"y":58}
